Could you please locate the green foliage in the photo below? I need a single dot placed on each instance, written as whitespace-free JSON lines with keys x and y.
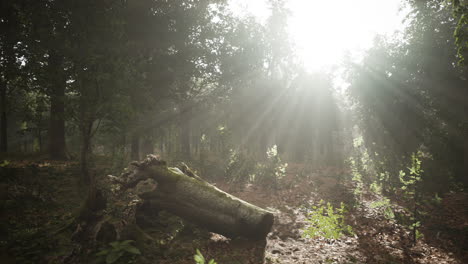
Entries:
{"x":356,"y":176}
{"x":4,"y":163}
{"x":397,"y":91}
{"x":199,"y":259}
{"x":116,"y":250}
{"x":328,"y":222}
{"x":376,"y":188}
{"x":413,"y":177}
{"x":270,"y":172}
{"x":418,"y":234}
{"x":384,"y":205}
{"x":240,"y":167}
{"x":460,"y":12}
{"x":437,"y":199}
{"x":411,"y":189}
{"x":362,"y":167}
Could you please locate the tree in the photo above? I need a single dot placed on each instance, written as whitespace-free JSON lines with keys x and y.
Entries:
{"x":48,"y":43}
{"x":11,"y":50}
{"x":409,"y":95}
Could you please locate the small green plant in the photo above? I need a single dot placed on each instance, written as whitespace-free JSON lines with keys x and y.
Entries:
{"x":199,"y":259}
{"x":116,"y":250}
{"x":384,"y":205}
{"x":437,"y":199}
{"x":4,"y":163}
{"x":411,"y":189}
{"x":239,"y":167}
{"x":418,"y":234}
{"x":270,"y":172}
{"x":328,"y":222}
{"x":411,"y":180}
{"x":356,"y":176}
{"x":376,"y":188}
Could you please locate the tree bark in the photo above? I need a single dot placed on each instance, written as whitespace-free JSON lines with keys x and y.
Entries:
{"x":465,"y":155}
{"x":85,"y":150}
{"x":464,"y":137}
{"x":148,"y":145}
{"x":185,"y":131}
{"x":3,"y":120}
{"x":57,"y":108}
{"x":186,"y":195}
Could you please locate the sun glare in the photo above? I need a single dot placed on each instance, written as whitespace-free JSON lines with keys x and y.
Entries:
{"x":323,"y":31}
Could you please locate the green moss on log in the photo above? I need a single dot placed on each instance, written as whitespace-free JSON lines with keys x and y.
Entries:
{"x":202,"y":203}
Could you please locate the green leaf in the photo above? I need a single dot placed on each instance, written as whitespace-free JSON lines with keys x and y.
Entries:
{"x":113,"y":256}
{"x":199,"y":257}
{"x":4,"y":163}
{"x":115,"y":244}
{"x":132,"y":250}
{"x":126,"y":242}
{"x":102,"y":252}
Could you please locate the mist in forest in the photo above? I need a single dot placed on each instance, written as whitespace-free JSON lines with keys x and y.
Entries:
{"x":361,"y":102}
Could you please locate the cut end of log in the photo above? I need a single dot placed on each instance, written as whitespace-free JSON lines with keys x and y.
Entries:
{"x":265,"y":225}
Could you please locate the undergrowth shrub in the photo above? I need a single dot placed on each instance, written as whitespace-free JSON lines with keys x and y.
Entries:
{"x":117,"y":250}
{"x":239,"y":168}
{"x":326,"y":221}
{"x":243,"y":168}
{"x":270,"y":172}
{"x":411,"y":186}
{"x":200,"y":259}
{"x":384,"y":205}
{"x":370,"y":172}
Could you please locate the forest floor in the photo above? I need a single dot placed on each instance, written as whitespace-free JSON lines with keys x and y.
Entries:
{"x":38,"y":197}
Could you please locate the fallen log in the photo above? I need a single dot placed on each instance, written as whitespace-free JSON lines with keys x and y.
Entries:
{"x":182,"y":193}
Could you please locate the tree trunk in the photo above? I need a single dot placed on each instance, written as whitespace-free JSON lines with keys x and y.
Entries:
{"x":57,"y":108}
{"x":188,"y":196}
{"x":464,"y":137}
{"x":465,"y":156}
{"x":148,"y":145}
{"x":185,"y":140}
{"x":3,"y":120}
{"x":135,"y":146}
{"x":85,"y":150}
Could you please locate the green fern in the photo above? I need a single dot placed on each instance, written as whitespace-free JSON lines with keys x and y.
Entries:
{"x":199,"y":259}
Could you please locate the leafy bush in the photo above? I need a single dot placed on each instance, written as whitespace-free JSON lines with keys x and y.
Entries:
{"x":326,"y":221}
{"x":411,"y":185}
{"x":239,"y":168}
{"x":199,"y":259}
{"x":385,"y":206}
{"x":268,"y":173}
{"x":116,"y":250}
{"x":4,"y":163}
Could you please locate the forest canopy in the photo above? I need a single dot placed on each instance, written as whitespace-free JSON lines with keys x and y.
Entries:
{"x":124,"y":79}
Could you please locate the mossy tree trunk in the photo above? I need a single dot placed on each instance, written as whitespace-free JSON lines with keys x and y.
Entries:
{"x":111,"y":213}
{"x":188,"y":196}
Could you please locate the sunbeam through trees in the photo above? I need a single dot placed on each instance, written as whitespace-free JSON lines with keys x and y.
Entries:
{"x":233,"y":131}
